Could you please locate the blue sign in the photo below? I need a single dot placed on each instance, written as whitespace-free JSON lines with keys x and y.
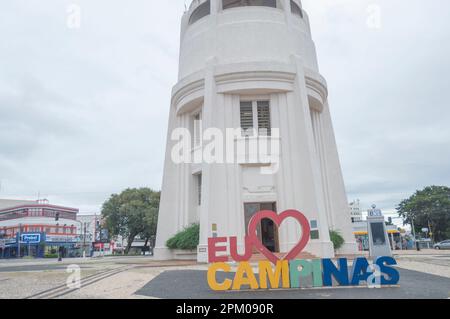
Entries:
{"x":30,"y":238}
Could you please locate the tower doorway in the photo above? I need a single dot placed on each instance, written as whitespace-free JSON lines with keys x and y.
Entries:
{"x":267,"y":230}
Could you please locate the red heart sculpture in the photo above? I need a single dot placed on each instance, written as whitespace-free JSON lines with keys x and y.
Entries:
{"x":278,"y":220}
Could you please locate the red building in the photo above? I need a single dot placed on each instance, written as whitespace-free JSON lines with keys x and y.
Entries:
{"x":37,"y":229}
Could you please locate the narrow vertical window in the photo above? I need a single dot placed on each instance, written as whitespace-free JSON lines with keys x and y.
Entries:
{"x":264,"y":126}
{"x":199,"y":188}
{"x":197,"y":136}
{"x":247,"y":118}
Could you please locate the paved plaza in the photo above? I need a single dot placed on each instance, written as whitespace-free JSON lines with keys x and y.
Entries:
{"x":424,"y":274}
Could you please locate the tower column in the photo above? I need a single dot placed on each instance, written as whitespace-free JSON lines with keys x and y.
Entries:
{"x":322,"y":247}
{"x":319,"y":143}
{"x":216,"y":6}
{"x":207,"y":210}
{"x":336,"y":188}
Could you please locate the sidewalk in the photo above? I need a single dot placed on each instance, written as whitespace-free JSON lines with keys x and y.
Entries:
{"x":70,"y":261}
{"x":422,"y":252}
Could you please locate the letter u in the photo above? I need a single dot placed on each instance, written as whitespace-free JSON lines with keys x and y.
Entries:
{"x":234,"y":252}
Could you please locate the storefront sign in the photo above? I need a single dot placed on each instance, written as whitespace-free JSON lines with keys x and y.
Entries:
{"x":10,"y":241}
{"x":288,"y":272}
{"x":62,"y":239}
{"x":30,"y":238}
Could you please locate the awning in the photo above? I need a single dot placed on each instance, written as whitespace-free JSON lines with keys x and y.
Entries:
{"x":390,"y":231}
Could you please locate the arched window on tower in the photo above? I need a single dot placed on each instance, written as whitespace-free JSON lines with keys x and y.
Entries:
{"x":228,"y":4}
{"x":295,"y":9}
{"x":201,"y":11}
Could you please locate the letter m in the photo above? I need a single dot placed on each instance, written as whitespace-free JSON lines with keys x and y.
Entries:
{"x":281,"y":272}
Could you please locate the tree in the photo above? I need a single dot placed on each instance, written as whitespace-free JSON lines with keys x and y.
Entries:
{"x":428,"y":208}
{"x":132,"y":212}
{"x":337,"y":239}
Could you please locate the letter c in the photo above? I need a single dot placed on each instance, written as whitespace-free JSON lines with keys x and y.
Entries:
{"x":212,"y":282}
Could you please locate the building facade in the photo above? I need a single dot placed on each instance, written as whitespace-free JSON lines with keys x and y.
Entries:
{"x":248,"y":74}
{"x":361,"y":232}
{"x":94,"y":236}
{"x":37,"y":229}
{"x":355,"y":211}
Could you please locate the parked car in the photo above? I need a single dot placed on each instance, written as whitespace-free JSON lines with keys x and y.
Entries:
{"x":442,"y":245}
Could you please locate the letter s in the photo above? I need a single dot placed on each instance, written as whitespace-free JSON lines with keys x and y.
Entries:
{"x":392,"y":273}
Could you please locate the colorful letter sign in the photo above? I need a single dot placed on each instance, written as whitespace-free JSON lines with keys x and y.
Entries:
{"x":289,"y":272}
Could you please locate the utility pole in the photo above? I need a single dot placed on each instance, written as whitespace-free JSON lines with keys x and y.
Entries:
{"x":84,"y":239}
{"x":18,"y":241}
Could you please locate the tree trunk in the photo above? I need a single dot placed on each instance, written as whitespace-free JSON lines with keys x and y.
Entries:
{"x":129,"y":243}
{"x":145,"y":246}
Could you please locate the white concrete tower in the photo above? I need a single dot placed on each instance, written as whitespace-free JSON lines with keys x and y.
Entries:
{"x":252,"y":64}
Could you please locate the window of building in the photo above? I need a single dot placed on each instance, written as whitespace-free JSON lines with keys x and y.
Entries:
{"x":197,"y":125}
{"x":201,"y":11}
{"x":228,"y":4}
{"x":264,"y":125}
{"x":314,"y":229}
{"x":34,"y":212}
{"x":255,"y":114}
{"x":198,"y":178}
{"x":247,"y":117}
{"x":296,"y":10}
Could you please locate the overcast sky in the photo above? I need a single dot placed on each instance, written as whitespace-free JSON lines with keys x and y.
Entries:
{"x":83,"y":111}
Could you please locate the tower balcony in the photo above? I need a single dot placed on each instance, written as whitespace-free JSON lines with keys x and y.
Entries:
{"x":244,"y":34}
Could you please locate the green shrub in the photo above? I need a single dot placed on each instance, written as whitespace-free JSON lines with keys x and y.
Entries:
{"x":51,"y":256}
{"x":187,"y":239}
{"x":337,"y":239}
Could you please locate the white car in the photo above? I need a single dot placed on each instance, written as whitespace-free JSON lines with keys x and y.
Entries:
{"x":442,"y":245}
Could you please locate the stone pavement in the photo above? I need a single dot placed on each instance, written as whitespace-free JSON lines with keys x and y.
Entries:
{"x":425,"y":274}
{"x":191,"y":284}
